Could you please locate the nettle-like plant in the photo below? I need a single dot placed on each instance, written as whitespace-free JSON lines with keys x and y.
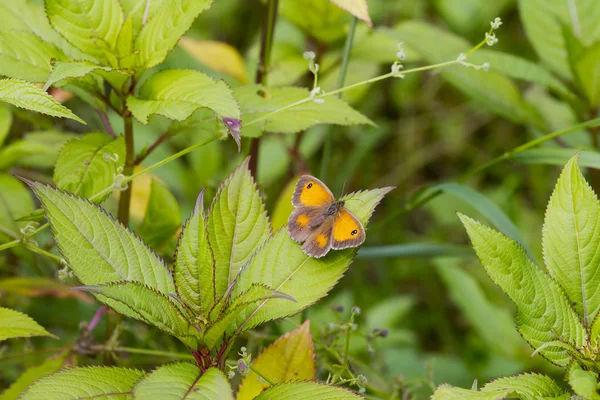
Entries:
{"x":230,"y":274}
{"x":557,"y":306}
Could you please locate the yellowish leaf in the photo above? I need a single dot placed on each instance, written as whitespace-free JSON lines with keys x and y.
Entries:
{"x":284,"y":207}
{"x":358,"y":8}
{"x":218,"y":56}
{"x":289,"y":358}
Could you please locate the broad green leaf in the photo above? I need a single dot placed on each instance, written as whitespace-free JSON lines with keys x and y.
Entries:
{"x":532,"y":290}
{"x":570,"y":240}
{"x":492,"y":90}
{"x":70,"y":70}
{"x":98,"y":248}
{"x":16,"y":325}
{"x":146,"y":304}
{"x":558,"y":156}
{"x":36,"y":149}
{"x":183,"y":381}
{"x":136,"y":9}
{"x":32,"y":374}
{"x":5,"y":122}
{"x":489,"y":320}
{"x":218,"y":56}
{"x":415,"y":250}
{"x":587,"y":68}
{"x":88,"y":165}
{"x":230,"y":319}
{"x":90,"y":25}
{"x":15,"y":201}
{"x":486,"y":207}
{"x":194,"y":270}
{"x":447,"y":392}
{"x":358,"y":8}
{"x":85,"y":383}
{"x":257,"y":102}
{"x":322,"y":20}
{"x":26,"y":56}
{"x":124,"y":44}
{"x":29,"y":97}
{"x":163,"y":30}
{"x":307,"y":391}
{"x":467,"y":16}
{"x":290,"y":358}
{"x":237,"y":226}
{"x":162,"y":218}
{"x":282,"y":265}
{"x":584,"y":383}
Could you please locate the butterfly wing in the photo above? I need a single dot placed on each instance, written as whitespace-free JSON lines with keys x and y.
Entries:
{"x":304,"y":220}
{"x":348,"y":231}
{"x":318,"y":242}
{"x":311,"y":192}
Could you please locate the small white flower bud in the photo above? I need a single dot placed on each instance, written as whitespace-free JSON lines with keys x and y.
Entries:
{"x":486,"y":66}
{"x":496,"y":23}
{"x":461,"y":58}
{"x":309,"y":55}
{"x":491,"y":40}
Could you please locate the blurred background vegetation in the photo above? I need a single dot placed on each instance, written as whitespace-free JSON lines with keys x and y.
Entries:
{"x":447,"y":321}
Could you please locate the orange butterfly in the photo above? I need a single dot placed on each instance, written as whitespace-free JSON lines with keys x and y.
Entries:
{"x":320,"y":221}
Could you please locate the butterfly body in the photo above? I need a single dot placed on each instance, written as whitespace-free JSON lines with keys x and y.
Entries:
{"x":320,"y":222}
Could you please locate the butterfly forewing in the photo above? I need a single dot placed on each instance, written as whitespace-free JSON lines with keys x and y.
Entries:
{"x":311,"y":192}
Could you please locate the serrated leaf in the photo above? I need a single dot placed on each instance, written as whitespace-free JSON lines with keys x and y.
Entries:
{"x":178,"y":93}
{"x":237,"y":226}
{"x":183,"y":381}
{"x":16,"y":324}
{"x":90,"y":25}
{"x":162,"y":32}
{"x":97,"y":247}
{"x":162,"y":217}
{"x":290,"y":358}
{"x":77,"y":69}
{"x":33,"y":374}
{"x":584,"y":383}
{"x":88,"y":165}
{"x":307,"y":391}
{"x":26,"y":56}
{"x":448,"y":392}
{"x":570,"y":240}
{"x":141,"y":302}
{"x":254,"y":105}
{"x":358,"y":8}
{"x":85,"y":383}
{"x":282,"y":265}
{"x":531,"y":289}
{"x":29,"y":97}
{"x":493,"y":91}
{"x":15,"y":201}
{"x":218,"y":56}
{"x":225,"y":316}
{"x":194,"y":270}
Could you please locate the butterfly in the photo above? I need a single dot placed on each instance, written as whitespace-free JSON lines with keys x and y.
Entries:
{"x":321,"y":222}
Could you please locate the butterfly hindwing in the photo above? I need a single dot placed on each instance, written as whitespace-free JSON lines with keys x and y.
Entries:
{"x":348,"y":231}
{"x":311,"y":192}
{"x":318,"y":242}
{"x":303,"y":221}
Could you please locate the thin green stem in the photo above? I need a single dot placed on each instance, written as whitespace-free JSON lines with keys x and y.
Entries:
{"x":341,"y":80}
{"x":157,"y":353}
{"x":8,"y":245}
{"x":37,"y":250}
{"x":125,"y":197}
{"x":257,"y":372}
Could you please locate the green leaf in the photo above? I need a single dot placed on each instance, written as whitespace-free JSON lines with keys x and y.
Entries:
{"x":88,"y":165}
{"x":194,"y":270}
{"x":98,"y":248}
{"x":15,"y":201}
{"x":321,"y":20}
{"x":282,"y":265}
{"x":307,"y":391}
{"x":32,"y":374}
{"x":90,"y":25}
{"x":584,"y":383}
{"x":16,"y":324}
{"x":448,"y":392}
{"x":488,"y":320}
{"x":558,"y":156}
{"x":26,"y":56}
{"x":257,"y":101}
{"x":492,"y":90}
{"x":237,"y":226}
{"x":229,"y":318}
{"x":5,"y":122}
{"x":29,"y":97}
{"x":162,"y":218}
{"x":36,"y":149}
{"x":486,"y":207}
{"x":468,"y":16}
{"x":587,"y":68}
{"x":146,"y":304}
{"x":78,"y":69}
{"x":358,"y":8}
{"x":85,"y":383}
{"x":414,"y":250}
{"x":532,"y":290}
{"x":163,"y":30}
{"x":570,"y":240}
{"x":183,"y":381}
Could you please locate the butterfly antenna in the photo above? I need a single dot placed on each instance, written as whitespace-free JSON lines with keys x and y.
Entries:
{"x":344,"y":187}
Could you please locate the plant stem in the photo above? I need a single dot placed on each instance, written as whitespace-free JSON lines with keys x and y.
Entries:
{"x":270,"y":382}
{"x":8,"y":245}
{"x":161,"y":139}
{"x":341,"y":80}
{"x":37,"y":250}
{"x":157,"y":353}
{"x":125,"y":197}
{"x":262,"y":71}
